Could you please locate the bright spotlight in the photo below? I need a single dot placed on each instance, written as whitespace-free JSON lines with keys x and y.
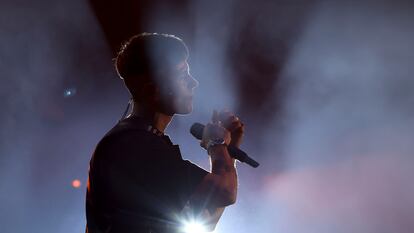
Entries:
{"x":194,"y":227}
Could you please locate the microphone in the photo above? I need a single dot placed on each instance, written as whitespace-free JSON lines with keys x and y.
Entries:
{"x":197,"y":131}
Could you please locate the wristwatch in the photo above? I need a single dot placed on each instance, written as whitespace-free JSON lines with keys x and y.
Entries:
{"x":215,"y":142}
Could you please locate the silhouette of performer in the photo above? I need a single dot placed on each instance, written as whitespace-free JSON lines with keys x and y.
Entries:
{"x":138,"y":181}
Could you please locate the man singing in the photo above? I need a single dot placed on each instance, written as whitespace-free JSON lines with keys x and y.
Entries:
{"x":138,"y":181}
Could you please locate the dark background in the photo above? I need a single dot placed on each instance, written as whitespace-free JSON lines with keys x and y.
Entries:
{"x":324,"y":88}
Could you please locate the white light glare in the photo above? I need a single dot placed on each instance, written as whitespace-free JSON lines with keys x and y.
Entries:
{"x":194,"y":227}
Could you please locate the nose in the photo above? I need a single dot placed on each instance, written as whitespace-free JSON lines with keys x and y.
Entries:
{"x":192,"y":82}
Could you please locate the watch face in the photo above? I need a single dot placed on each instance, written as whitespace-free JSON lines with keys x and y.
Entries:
{"x":214,"y":142}
{"x":219,"y":141}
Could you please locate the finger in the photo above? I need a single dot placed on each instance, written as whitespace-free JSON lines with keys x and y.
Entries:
{"x":225,"y":114}
{"x":233,"y":118}
{"x":230,"y":121}
{"x":239,"y":129}
{"x":203,"y":144}
{"x":236,"y":125}
{"x":215,"y":117}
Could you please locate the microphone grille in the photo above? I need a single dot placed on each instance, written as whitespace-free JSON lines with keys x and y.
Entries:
{"x":197,"y":130}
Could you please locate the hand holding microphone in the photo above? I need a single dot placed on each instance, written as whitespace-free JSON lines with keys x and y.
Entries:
{"x":226,"y":129}
{"x":233,"y":124}
{"x":214,"y":133}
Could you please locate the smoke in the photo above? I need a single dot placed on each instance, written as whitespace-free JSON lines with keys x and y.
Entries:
{"x":44,"y":88}
{"x":343,"y":162}
{"x":348,"y":117}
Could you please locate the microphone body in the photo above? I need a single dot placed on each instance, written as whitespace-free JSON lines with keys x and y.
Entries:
{"x":197,"y":131}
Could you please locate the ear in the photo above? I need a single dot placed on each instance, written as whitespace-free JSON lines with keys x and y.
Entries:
{"x":150,"y":93}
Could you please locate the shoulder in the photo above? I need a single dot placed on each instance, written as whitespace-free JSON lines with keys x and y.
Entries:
{"x":132,"y":132}
{"x":127,"y":138}
{"x":130,"y":141}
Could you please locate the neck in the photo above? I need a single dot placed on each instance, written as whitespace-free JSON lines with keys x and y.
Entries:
{"x":157,"y":119}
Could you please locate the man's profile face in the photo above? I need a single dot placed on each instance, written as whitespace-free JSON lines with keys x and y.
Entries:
{"x":180,"y":89}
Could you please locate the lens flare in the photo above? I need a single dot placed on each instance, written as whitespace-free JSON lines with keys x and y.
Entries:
{"x":69,"y":92}
{"x":76,"y":183}
{"x":194,"y":227}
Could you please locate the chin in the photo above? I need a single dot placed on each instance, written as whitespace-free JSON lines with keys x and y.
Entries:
{"x":184,"y":110}
{"x":183,"y":107}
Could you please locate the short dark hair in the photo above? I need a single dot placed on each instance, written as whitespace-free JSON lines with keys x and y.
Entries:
{"x":147,"y":53}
